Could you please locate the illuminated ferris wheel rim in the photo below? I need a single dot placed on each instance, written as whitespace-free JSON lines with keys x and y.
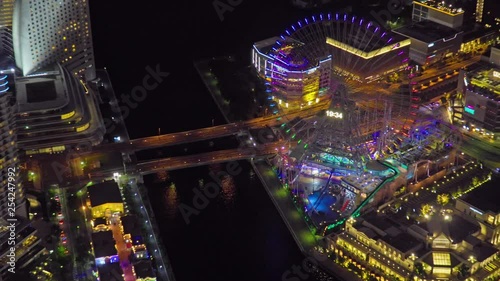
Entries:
{"x":367,"y":40}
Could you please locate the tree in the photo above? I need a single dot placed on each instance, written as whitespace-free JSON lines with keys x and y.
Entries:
{"x":419,"y":269}
{"x":475,"y":181}
{"x":443,"y":199}
{"x":463,"y":271}
{"x":426,"y":210}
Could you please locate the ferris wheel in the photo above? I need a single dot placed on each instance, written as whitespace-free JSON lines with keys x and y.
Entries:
{"x":361,"y":53}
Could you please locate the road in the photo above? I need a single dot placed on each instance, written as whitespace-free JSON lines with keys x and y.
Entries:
{"x":484,"y":153}
{"x":434,"y":72}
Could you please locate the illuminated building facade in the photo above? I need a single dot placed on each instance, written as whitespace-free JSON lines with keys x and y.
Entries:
{"x":486,"y":13}
{"x":441,"y":246}
{"x":479,"y":10}
{"x":13,"y":206}
{"x":439,"y":12}
{"x":105,"y":199}
{"x":47,"y":32}
{"x":8,"y":149}
{"x":481,"y":90}
{"x":295,"y":81}
{"x":478,"y":38}
{"x":6,"y":13}
{"x":56,"y":112}
{"x":27,"y":248}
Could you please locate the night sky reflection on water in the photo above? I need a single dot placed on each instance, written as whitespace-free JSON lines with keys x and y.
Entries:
{"x":238,"y":236}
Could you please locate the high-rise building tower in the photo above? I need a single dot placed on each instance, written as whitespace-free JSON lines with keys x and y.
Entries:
{"x":17,"y":236}
{"x":487,"y":12}
{"x":9,"y":162}
{"x":46,"y":32}
{"x":440,"y":12}
{"x":479,"y":10}
{"x":6,"y":12}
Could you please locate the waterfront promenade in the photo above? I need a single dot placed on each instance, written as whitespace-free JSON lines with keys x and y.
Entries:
{"x":295,"y":223}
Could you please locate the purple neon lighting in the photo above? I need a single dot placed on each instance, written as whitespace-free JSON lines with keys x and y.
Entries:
{"x":314,"y":19}
{"x":282,"y":37}
{"x":405,"y":60}
{"x":400,"y":53}
{"x":287,"y":32}
{"x":369,"y":24}
{"x":321,"y":16}
{"x":376,"y":29}
{"x":345,"y":17}
{"x":336,"y":16}
{"x":352,"y":19}
{"x":278,"y":42}
{"x":300,"y":24}
{"x":361,"y":22}
{"x":383,"y":34}
{"x":389,"y":41}
{"x":305,"y":19}
{"x":329,"y":16}
{"x":293,"y":27}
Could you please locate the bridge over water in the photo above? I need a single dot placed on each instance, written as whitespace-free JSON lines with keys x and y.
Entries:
{"x":206,"y":133}
{"x":213,"y":157}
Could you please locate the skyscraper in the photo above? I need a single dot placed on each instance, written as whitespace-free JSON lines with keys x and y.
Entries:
{"x":47,"y":32}
{"x":6,"y":12}
{"x":479,"y":10}
{"x":9,"y":169}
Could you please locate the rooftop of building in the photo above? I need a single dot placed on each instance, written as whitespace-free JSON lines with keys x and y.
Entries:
{"x":110,"y":272}
{"x":483,"y":251}
{"x":366,"y":182}
{"x":379,"y":221}
{"x":473,"y":32}
{"x":482,"y":199}
{"x":487,"y":77}
{"x":376,"y":166}
{"x":143,"y":269}
{"x":427,"y":31}
{"x":131,"y":225}
{"x":457,"y":229}
{"x":99,"y":221}
{"x":403,"y":241}
{"x":446,"y":6}
{"x":266,"y":46}
{"x":104,"y":192}
{"x":103,"y":244}
{"x":42,"y":92}
{"x":392,"y":234}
